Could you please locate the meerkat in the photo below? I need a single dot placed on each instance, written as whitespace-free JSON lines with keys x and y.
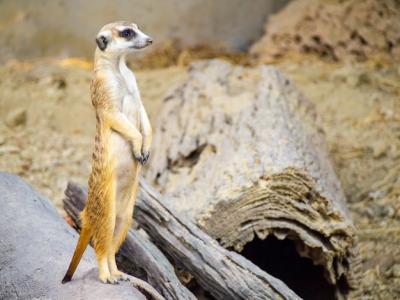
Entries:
{"x":122,"y":145}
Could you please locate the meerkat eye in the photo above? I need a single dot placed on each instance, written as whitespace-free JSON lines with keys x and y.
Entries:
{"x":127,"y":33}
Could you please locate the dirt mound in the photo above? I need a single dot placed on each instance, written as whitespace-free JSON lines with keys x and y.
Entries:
{"x":339,"y":30}
{"x":174,"y":53}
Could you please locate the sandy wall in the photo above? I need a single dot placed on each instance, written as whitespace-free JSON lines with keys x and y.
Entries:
{"x":32,"y":28}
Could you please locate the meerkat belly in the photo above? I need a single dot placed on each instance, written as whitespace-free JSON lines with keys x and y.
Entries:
{"x":122,"y":155}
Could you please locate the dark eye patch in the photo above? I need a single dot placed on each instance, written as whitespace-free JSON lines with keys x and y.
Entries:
{"x":127,"y":33}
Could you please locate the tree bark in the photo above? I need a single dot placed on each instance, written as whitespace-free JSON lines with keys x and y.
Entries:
{"x":36,"y":246}
{"x":224,"y":274}
{"x":237,"y":150}
{"x":136,"y":251}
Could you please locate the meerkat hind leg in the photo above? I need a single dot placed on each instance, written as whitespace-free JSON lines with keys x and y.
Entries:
{"x":102,"y":249}
{"x":104,"y":272}
{"x":121,"y":230}
{"x":112,"y":264}
{"x":102,"y":242}
{"x":122,"y":224}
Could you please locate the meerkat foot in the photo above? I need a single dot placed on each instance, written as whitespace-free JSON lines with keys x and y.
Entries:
{"x":117,"y":274}
{"x":121,"y":276}
{"x":112,"y":280}
{"x":109,"y":279}
{"x":106,"y":277}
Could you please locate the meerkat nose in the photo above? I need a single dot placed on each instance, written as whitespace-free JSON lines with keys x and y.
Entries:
{"x":149,"y":41}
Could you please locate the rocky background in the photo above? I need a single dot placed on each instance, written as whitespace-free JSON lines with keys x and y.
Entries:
{"x":31,"y":29}
{"x":341,"y":54}
{"x":334,"y":30}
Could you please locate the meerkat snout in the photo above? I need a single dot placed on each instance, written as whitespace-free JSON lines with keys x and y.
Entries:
{"x":120,"y":37}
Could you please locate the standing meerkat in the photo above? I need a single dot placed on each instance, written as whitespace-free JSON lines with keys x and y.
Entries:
{"x":122,"y":143}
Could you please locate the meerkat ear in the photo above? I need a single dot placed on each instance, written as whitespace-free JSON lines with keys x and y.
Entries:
{"x":102,"y":42}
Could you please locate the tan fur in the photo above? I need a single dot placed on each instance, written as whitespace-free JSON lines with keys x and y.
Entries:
{"x":123,"y":138}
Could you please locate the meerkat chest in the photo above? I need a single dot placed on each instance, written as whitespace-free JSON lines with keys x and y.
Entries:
{"x":130,"y":108}
{"x":128,"y":102}
{"x":130,"y":98}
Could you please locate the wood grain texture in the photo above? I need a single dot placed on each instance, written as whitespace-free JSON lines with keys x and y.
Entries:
{"x":238,"y":151}
{"x":224,"y":274}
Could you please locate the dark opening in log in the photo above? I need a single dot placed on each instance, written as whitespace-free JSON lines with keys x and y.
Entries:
{"x":238,"y":151}
{"x":195,"y":287}
{"x":280,"y":259}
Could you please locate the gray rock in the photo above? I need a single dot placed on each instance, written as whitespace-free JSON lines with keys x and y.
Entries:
{"x":36,"y":245}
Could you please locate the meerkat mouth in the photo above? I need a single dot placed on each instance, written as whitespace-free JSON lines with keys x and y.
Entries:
{"x":138,"y":47}
{"x":148,"y":42}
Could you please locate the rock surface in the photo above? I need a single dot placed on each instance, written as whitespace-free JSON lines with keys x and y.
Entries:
{"x":29,"y":31}
{"x":16,"y":118}
{"x":36,"y":246}
{"x":337,"y":30}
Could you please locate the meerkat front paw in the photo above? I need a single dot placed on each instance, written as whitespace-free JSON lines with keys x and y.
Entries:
{"x":142,"y":158}
{"x":139,"y":158}
{"x":145,"y":157}
{"x":137,"y":144}
{"x":138,"y":155}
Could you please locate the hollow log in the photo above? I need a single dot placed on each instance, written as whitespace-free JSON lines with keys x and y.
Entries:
{"x":137,"y":251}
{"x":36,"y":245}
{"x":223,"y":273}
{"x":237,"y":150}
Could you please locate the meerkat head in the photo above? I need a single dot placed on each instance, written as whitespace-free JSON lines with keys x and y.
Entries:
{"x":122,"y":37}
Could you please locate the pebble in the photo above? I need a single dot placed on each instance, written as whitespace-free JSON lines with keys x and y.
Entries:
{"x":369,"y":279}
{"x":396,"y":271}
{"x":7,"y":149}
{"x":379,"y":149}
{"x":384,"y":211}
{"x":16,"y":117}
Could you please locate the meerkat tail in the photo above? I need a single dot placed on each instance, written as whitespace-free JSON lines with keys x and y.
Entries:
{"x":83,"y":241}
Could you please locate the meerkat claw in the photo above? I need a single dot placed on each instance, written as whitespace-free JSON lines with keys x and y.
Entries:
{"x":112,"y":280}
{"x":123,"y":277}
{"x":120,"y":276}
{"x":139,"y":159}
{"x":108,"y":279}
{"x":145,"y":156}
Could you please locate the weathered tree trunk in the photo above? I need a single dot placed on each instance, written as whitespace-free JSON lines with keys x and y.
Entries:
{"x":137,"y":251}
{"x":36,"y":245}
{"x":224,"y":274}
{"x":237,"y":151}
